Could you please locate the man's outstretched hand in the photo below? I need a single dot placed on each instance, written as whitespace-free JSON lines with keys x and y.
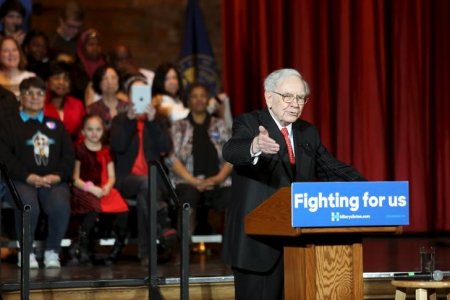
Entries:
{"x":264,"y":143}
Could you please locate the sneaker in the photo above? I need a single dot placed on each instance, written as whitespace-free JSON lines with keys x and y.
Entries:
{"x":51,"y":259}
{"x":33,"y":262}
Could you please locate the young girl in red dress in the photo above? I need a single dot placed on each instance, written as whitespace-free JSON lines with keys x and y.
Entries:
{"x":93,"y":189}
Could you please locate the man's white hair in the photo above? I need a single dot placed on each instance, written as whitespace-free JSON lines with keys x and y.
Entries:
{"x":274,"y":79}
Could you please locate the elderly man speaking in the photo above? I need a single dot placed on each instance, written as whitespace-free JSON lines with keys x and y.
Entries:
{"x":270,"y":149}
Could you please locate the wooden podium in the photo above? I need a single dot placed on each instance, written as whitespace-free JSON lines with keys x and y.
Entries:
{"x":319,"y":263}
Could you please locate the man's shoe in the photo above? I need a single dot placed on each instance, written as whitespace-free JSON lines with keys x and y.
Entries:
{"x":51,"y":259}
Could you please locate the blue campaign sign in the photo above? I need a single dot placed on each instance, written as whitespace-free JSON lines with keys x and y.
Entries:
{"x":341,"y":204}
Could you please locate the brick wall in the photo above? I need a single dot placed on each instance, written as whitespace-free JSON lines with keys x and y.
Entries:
{"x":153,"y":29}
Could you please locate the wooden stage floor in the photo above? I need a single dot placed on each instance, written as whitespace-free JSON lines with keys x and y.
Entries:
{"x":383,"y":255}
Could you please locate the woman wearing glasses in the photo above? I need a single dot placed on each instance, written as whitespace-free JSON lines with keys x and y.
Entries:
{"x":39,"y":155}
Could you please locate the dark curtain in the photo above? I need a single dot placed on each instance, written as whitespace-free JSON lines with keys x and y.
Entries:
{"x":379,"y":73}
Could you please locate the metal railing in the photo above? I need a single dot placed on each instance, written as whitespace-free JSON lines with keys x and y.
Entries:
{"x":153,"y":280}
{"x":184,"y":210}
{"x":25,"y":234}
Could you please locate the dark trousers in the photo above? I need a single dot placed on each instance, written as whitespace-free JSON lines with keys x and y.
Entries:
{"x":259,"y":286}
{"x":201,"y":202}
{"x":54,"y":201}
{"x":218,"y":198}
{"x":119,"y":226}
{"x":133,"y":186}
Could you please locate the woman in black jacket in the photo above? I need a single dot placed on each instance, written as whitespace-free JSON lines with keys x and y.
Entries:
{"x":39,"y":155}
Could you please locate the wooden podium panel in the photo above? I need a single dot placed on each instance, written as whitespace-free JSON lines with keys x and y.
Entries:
{"x":323,"y":272}
{"x":319,"y":263}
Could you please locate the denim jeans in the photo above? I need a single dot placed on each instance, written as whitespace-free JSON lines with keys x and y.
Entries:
{"x":54,"y":202}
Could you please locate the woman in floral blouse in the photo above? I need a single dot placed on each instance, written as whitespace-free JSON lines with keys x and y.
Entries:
{"x":201,"y":176}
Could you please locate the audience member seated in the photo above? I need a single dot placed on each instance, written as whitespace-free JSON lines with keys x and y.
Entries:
{"x":59,"y":104}
{"x":12,"y":14}
{"x":63,"y":43}
{"x":135,"y":140}
{"x":199,"y":172}
{"x":40,"y":157}
{"x":167,"y":92}
{"x":93,"y":190}
{"x":36,"y":50}
{"x":122,"y":59}
{"x":9,"y":106}
{"x":12,"y":65}
{"x":89,"y":58}
{"x":105,"y":82}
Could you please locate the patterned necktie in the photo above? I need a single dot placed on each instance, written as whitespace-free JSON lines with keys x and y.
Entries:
{"x":285,"y":133}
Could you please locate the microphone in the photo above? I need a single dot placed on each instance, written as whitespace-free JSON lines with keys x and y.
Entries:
{"x":333,"y":169}
{"x":317,"y":157}
{"x":436,"y":275}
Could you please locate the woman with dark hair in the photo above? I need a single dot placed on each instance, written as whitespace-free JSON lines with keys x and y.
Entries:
{"x":167,"y":90}
{"x":40,"y":158}
{"x":89,"y":57}
{"x":36,"y":50}
{"x":12,"y":15}
{"x":60,"y":104}
{"x":106,"y":83}
{"x":89,"y":51}
{"x":12,"y":65}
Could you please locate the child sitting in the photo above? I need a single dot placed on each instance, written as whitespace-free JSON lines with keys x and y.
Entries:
{"x":93,"y":189}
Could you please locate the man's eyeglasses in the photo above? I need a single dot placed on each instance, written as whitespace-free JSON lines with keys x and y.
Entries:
{"x":36,"y":94}
{"x":288,"y":98}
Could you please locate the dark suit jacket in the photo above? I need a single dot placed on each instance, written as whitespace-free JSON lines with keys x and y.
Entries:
{"x":9,"y":105}
{"x":125,"y":144}
{"x":9,"y":108}
{"x":252,"y":184}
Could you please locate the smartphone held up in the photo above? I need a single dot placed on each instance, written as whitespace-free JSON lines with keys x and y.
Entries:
{"x":141,"y":96}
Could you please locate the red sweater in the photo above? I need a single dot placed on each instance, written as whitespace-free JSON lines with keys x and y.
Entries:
{"x":73,"y":114}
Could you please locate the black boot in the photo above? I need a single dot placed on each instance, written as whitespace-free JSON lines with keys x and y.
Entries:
{"x":115,"y":251}
{"x":167,"y":236}
{"x":120,"y":229}
{"x":84,"y":256}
